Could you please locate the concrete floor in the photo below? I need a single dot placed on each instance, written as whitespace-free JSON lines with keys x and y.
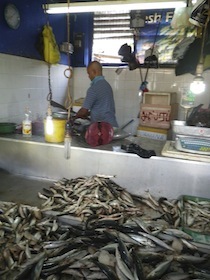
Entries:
{"x":21,"y":189}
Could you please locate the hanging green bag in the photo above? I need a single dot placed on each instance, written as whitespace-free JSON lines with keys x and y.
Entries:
{"x":50,"y":48}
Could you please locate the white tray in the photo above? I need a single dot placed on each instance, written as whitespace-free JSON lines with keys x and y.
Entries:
{"x":179,"y":127}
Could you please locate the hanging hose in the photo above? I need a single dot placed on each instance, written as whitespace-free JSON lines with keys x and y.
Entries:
{"x":51,"y":55}
{"x":49,"y":121}
{"x":68,"y":101}
{"x":143,"y":86}
{"x":49,"y":96}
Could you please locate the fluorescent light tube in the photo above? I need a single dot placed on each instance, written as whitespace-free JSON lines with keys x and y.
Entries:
{"x":99,"y":6}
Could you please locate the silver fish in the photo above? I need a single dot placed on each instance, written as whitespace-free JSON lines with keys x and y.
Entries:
{"x":176,"y":276}
{"x":157,"y":241}
{"x":189,"y":258}
{"x":177,"y":233}
{"x":142,"y":240}
{"x":122,"y":266}
{"x":159,"y":270}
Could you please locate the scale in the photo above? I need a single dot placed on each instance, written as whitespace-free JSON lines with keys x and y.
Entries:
{"x":186,"y":142}
{"x":193,"y":144}
{"x":189,"y":139}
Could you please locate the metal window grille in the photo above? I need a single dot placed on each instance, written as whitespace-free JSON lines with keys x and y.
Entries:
{"x":110,"y":31}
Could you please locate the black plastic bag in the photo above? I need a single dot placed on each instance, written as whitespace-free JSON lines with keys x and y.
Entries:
{"x":199,"y":117}
{"x":190,"y":59}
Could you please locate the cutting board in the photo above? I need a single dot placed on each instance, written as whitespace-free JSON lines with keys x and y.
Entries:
{"x":170,"y":151}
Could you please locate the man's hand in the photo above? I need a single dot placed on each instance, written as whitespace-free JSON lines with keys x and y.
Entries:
{"x":83,"y":113}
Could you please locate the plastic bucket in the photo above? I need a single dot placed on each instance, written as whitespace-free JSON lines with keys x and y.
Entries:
{"x":58,"y":132}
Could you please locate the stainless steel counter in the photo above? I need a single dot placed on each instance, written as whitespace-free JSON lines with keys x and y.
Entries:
{"x":162,"y":176}
{"x":79,"y":142}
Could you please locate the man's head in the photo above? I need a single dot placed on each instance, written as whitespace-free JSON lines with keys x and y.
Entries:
{"x":94,"y":69}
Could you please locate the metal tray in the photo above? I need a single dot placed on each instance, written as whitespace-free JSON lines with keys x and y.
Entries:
{"x":6,"y":127}
{"x":180,"y":127}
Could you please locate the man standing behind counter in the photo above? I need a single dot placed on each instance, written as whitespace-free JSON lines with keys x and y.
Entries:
{"x":99,"y":101}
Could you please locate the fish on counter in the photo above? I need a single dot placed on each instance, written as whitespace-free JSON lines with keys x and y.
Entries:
{"x":120,"y":236}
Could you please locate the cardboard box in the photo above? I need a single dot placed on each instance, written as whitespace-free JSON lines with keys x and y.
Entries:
{"x":152,"y":133}
{"x":155,"y":115}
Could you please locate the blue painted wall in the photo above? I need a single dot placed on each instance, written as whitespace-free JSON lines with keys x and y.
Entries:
{"x":22,"y":42}
{"x":82,"y":27}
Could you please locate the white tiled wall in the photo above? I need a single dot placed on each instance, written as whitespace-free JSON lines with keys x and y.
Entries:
{"x":126,"y":87}
{"x":24,"y":82}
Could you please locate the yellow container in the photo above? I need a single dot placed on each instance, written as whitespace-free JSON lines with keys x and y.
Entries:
{"x":57,"y":132}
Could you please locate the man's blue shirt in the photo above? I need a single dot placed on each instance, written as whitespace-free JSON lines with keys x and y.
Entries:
{"x":100,"y":101}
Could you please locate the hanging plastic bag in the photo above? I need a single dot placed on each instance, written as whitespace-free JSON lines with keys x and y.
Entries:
{"x":190,"y":59}
{"x":181,"y":18}
{"x":181,"y":48}
{"x":50,"y":48}
{"x":206,"y":54}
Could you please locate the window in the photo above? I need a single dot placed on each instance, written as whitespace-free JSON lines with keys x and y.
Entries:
{"x":111,"y":31}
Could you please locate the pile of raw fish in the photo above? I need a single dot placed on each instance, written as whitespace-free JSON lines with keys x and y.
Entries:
{"x":91,"y":228}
